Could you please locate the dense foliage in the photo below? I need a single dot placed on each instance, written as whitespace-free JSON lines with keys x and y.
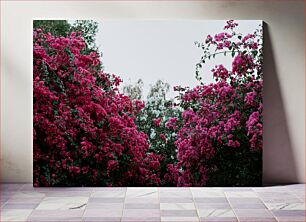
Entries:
{"x":159,"y":120}
{"x":86,"y":132}
{"x":220,"y":142}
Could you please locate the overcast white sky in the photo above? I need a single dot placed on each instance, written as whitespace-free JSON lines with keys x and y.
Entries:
{"x":153,"y":50}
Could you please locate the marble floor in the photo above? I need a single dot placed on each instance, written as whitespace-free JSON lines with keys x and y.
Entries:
{"x":22,"y":202}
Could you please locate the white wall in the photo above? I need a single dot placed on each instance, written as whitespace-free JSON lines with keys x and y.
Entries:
{"x":284,"y":95}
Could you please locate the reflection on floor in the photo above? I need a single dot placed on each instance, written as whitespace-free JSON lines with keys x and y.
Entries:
{"x":22,"y":202}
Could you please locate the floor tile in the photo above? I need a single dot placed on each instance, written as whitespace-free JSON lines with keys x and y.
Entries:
{"x":108,"y":189}
{"x":3,"y":200}
{"x":274,"y":197}
{"x":140,"y":219}
{"x":300,"y":195}
{"x":236,"y":205}
{"x":56,"y":213}
{"x":281,"y":200}
{"x":62,"y":203}
{"x":142,"y":200}
{"x":210,"y":200}
{"x":246,"y":200}
{"x":101,"y":219}
{"x":25,"y":195}
{"x":110,"y":194}
{"x":176,"y":199}
{"x":68,"y":193}
{"x":256,"y":219}
{"x":176,"y":193}
{"x":291,"y":219}
{"x":237,"y":189}
{"x":103,"y":213}
{"x":240,"y":194}
{"x":177,"y":206}
{"x":278,"y":189}
{"x":179,"y":213}
{"x":208,"y":193}
{"x":61,"y":189}
{"x":141,"y":206}
{"x":19,"y":206}
{"x":253,"y":213}
{"x":216,"y":213}
{"x":142,"y":213}
{"x":141,"y":192}
{"x":177,"y":189}
{"x":195,"y":189}
{"x":289,"y":213}
{"x":105,"y":200}
{"x":179,"y":219}
{"x":224,"y":205}
{"x":24,"y":200}
{"x":98,"y":205}
{"x":218,"y":219}
{"x":27,"y":187}
{"x":55,"y":219}
{"x":14,"y":214}
{"x":285,"y":206}
{"x":10,"y":186}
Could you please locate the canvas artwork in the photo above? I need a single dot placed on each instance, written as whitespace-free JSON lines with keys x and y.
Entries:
{"x":147,"y":103}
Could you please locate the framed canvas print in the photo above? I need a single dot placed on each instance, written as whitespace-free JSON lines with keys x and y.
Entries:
{"x":147,"y":103}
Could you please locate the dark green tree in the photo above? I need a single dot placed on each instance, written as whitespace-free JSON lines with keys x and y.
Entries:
{"x":152,"y":121}
{"x":55,"y":27}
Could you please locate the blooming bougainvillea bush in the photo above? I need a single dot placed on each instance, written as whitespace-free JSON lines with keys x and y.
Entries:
{"x":220,"y":141}
{"x":89,"y":133}
{"x":84,"y":129}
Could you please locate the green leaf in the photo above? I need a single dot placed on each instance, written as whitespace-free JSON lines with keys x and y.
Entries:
{"x":254,"y":53}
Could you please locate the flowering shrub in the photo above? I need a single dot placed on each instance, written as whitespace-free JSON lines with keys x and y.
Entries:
{"x":220,"y":141}
{"x":84,"y":130}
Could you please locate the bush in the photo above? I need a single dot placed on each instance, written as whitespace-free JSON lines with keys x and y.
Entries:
{"x":220,"y":142}
{"x":84,"y":130}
